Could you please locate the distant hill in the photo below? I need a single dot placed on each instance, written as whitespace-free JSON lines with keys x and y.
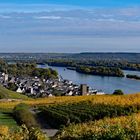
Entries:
{"x":130,"y":57}
{"x":41,"y":57}
{"x":7,"y":94}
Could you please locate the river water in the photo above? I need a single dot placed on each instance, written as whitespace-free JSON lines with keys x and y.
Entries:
{"x":105,"y":83}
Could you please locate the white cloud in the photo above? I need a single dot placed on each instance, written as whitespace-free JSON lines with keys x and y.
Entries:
{"x":110,"y":20}
{"x":5,"y":17}
{"x":100,"y":22}
{"x":48,"y":17}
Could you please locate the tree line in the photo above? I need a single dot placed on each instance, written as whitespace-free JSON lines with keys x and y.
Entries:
{"x":103,"y":71}
{"x":122,"y":64}
{"x":136,"y":77}
{"x":88,"y":69}
{"x":27,"y":69}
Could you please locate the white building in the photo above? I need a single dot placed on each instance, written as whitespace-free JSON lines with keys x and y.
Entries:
{"x":19,"y":90}
{"x":6,"y":77}
{"x":100,"y":93}
{"x":70,"y":93}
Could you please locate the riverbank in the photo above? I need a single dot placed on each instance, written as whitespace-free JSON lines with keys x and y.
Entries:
{"x":135,"y":77}
{"x":106,"y":83}
{"x":92,"y":70}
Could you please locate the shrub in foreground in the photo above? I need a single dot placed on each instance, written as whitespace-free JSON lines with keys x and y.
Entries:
{"x":22,"y":133}
{"x":24,"y":116}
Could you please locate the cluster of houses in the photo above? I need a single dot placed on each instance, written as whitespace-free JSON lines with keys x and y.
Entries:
{"x":36,"y":87}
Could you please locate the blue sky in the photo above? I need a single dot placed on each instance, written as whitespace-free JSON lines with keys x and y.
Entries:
{"x":69,"y":25}
{"x":77,"y":2}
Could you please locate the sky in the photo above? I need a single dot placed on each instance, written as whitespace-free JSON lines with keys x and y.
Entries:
{"x":84,"y":3}
{"x":69,"y":26}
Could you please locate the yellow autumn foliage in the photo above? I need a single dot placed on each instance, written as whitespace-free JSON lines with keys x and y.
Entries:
{"x":4,"y":130}
{"x":21,"y":133}
{"x":133,"y":99}
{"x":127,"y":126}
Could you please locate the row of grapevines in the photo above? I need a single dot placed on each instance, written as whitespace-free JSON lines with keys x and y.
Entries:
{"x":84,"y":112}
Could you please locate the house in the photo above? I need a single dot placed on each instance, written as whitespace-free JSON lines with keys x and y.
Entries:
{"x":19,"y":90}
{"x":31,"y":90}
{"x":100,"y":93}
{"x":12,"y":80}
{"x":69,"y":93}
{"x":6,"y":77}
{"x":50,"y":95}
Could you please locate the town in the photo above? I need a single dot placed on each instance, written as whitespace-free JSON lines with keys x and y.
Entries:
{"x":36,"y":87}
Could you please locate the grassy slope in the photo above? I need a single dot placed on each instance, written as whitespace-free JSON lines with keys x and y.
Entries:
{"x":5,"y":93}
{"x":6,"y":118}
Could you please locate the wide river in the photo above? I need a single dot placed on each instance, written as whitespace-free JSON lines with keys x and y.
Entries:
{"x":105,"y":83}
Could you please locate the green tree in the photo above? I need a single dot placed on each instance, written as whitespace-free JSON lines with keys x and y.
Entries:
{"x":12,"y":86}
{"x":118,"y":92}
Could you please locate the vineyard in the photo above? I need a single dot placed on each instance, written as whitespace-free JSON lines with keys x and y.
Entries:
{"x":105,"y":99}
{"x":65,"y":114}
{"x":120,"y":128}
{"x":82,"y":117}
{"x":95,"y":117}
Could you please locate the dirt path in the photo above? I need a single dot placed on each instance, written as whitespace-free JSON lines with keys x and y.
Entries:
{"x":43,"y":124}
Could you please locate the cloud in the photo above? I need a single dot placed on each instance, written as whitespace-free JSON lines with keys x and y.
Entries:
{"x":73,"y":22}
{"x":109,"y":20}
{"x":62,"y":27}
{"x":5,"y":17}
{"x":48,"y":17}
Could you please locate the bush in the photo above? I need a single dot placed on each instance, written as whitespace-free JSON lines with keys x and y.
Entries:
{"x":12,"y":86}
{"x":24,"y":116}
{"x":2,"y":96}
{"x":21,"y":133}
{"x":36,"y":134}
{"x":118,"y":92}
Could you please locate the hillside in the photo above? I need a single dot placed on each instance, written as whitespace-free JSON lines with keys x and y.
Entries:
{"x":84,"y":117}
{"x":119,"y":128}
{"x":7,"y":94}
{"x":131,"y":99}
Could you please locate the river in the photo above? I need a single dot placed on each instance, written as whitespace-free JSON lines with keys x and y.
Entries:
{"x":105,"y":83}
